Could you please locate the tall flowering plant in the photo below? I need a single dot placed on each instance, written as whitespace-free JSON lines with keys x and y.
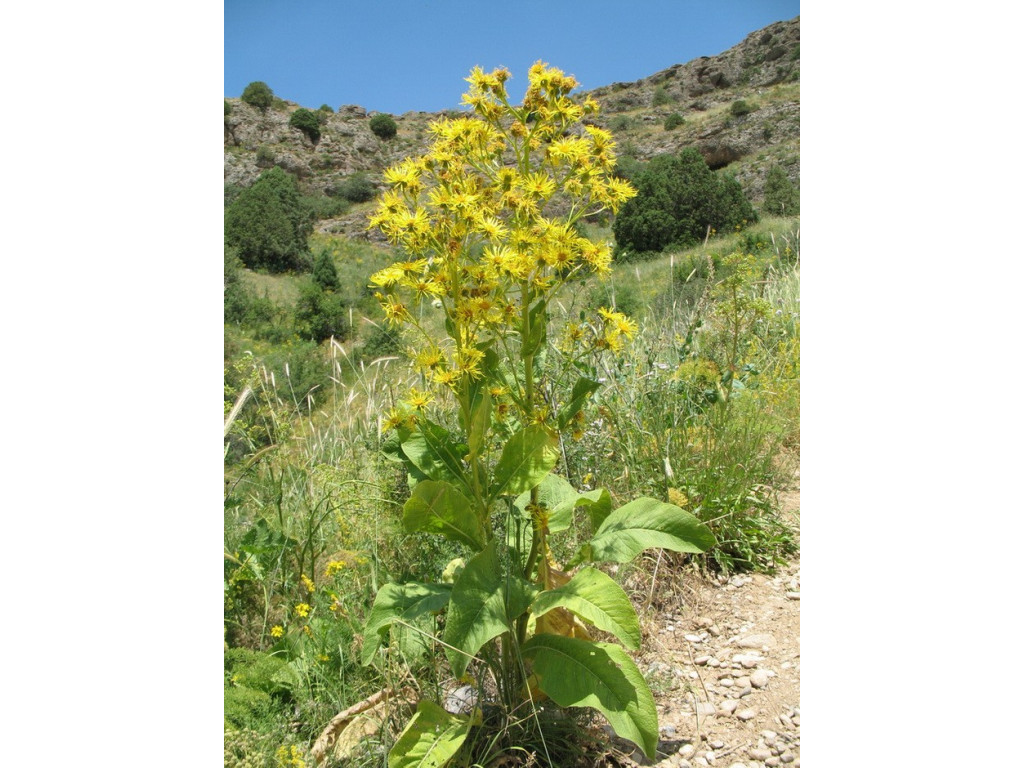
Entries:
{"x":486,"y":220}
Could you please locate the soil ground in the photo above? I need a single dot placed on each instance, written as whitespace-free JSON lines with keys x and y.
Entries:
{"x":723,"y":662}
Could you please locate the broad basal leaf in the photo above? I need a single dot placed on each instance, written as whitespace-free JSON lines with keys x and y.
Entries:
{"x":644,"y":524}
{"x":595,"y":597}
{"x":431,"y":739}
{"x":528,"y":456}
{"x":579,"y":673}
{"x":438,"y":507}
{"x":404,"y":602}
{"x":485,"y":602}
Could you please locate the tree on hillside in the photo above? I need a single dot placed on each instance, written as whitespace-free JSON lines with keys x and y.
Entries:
{"x":324,"y":273}
{"x":258,"y":94}
{"x":678,"y":199}
{"x":781,"y":197}
{"x":307,"y":122}
{"x":268,"y":224}
{"x":384,"y":126}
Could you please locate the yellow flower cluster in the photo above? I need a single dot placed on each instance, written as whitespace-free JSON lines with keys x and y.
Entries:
{"x":302,"y":610}
{"x":473,"y":216}
{"x":308,"y":584}
{"x":289,"y":757}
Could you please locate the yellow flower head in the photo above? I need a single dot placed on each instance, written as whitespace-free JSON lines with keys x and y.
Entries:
{"x":277,"y":631}
{"x":302,"y":610}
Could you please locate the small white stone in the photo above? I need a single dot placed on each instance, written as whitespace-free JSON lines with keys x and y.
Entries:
{"x":694,"y":675}
{"x":694,"y":638}
{"x":746,"y":714}
{"x":759,"y":754}
{"x":788,"y":757}
{"x":701,"y":661}
{"x":705,"y":709}
{"x":686,"y":751}
{"x":726,"y":681}
{"x":713,"y":662}
{"x":728,"y":706}
{"x":759,"y":678}
{"x":772,"y":762}
{"x":716,"y":743}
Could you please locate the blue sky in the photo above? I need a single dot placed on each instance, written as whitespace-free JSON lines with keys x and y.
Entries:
{"x":413,"y":54}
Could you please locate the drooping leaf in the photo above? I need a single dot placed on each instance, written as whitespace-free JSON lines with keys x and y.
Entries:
{"x":581,"y":390}
{"x":485,"y":603}
{"x":579,"y":673}
{"x":431,"y":739}
{"x":538,"y":328}
{"x":643,"y":524}
{"x":558,"y":496}
{"x":528,"y":456}
{"x":598,"y":504}
{"x":438,"y":507}
{"x":404,"y":602}
{"x":595,"y":597}
{"x":479,"y":421}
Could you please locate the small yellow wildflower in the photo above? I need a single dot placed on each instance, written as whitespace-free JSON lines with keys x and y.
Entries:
{"x":302,"y":610}
{"x":308,"y":583}
{"x":277,"y":631}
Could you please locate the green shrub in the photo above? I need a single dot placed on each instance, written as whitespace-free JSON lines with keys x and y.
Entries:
{"x":320,"y":314}
{"x":382,"y":341}
{"x":673,"y":121}
{"x":306,"y":122}
{"x":268,"y":225}
{"x":781,"y":197}
{"x":265,"y":156}
{"x":384,"y":126}
{"x":327,"y":108}
{"x":227,"y":107}
{"x":356,"y":188}
{"x":678,"y":199}
{"x":620,"y":123}
{"x":741,"y":107}
{"x":323,"y":207}
{"x":240,"y":305}
{"x":258,"y":94}
{"x":661,"y":97}
{"x":324,"y":273}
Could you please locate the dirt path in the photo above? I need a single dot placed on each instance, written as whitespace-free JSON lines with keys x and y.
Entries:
{"x":724,"y":666}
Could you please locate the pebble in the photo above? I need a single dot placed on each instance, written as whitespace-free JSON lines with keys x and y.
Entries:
{"x":726,"y":681}
{"x":759,"y":678}
{"x":743,"y":682}
{"x":746,"y":714}
{"x":710,"y":757}
{"x":705,"y":709}
{"x":696,"y":638}
{"x":701,"y":661}
{"x":686,"y":751}
{"x":685,"y":764}
{"x":716,"y":744}
{"x":769,"y":737}
{"x":728,"y":706}
{"x":771,"y":762}
{"x":739,"y":693}
{"x":668,"y":730}
{"x":787,"y":757}
{"x":756,"y":641}
{"x":759,"y":754}
{"x":793,"y":595}
{"x":701,"y":761}
{"x":746,"y":660}
{"x":713,"y":662}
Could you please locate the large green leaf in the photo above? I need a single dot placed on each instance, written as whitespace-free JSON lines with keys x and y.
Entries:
{"x":479,"y":422}
{"x":438,"y":507}
{"x":485,"y":603}
{"x":558,"y":496}
{"x":404,"y":602}
{"x":430,"y":448}
{"x":528,"y":456}
{"x":595,"y":597}
{"x":581,"y":673}
{"x":643,"y":524}
{"x":431,"y":739}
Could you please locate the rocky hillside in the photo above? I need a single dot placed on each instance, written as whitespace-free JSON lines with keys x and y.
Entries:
{"x":741,"y":109}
